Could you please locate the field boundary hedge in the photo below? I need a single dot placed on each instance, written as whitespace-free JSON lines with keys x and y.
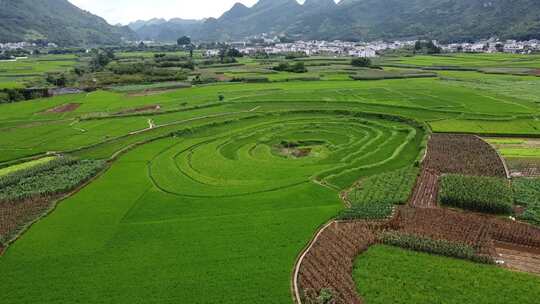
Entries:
{"x":433,"y":246}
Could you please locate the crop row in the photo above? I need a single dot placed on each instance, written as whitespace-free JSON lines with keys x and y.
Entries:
{"x":439,"y":247}
{"x":16,"y":176}
{"x":527,"y":193}
{"x":328,"y":264}
{"x":375,"y":196}
{"x":483,"y":194}
{"x":45,"y":183}
{"x":463,"y":154}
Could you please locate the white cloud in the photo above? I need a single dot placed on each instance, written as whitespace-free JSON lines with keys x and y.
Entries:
{"x":125,"y":11}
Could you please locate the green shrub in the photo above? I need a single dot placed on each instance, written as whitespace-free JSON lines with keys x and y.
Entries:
{"x":483,"y":194}
{"x":254,"y":79}
{"x":439,"y":247}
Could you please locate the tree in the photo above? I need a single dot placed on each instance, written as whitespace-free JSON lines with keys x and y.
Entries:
{"x":183,"y":41}
{"x":222,"y":54}
{"x":57,"y":79}
{"x":426,"y":47}
{"x":361,"y":62}
{"x":234,"y":53}
{"x":298,"y":67}
{"x":100,"y":59}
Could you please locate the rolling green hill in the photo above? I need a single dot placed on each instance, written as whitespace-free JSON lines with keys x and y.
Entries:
{"x":56,"y":21}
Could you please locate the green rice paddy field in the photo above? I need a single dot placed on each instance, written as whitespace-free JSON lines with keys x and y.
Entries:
{"x":211,"y":201}
{"x":17,"y":74}
{"x":434,"y":279}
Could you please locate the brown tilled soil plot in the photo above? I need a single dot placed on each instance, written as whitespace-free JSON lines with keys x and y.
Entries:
{"x":329,"y":263}
{"x":524,"y":167}
{"x":16,"y":214}
{"x":65,"y":108}
{"x":463,"y":154}
{"x":519,"y":258}
{"x":425,"y":192}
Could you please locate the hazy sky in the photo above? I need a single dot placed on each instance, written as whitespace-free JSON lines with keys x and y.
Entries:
{"x":125,"y":11}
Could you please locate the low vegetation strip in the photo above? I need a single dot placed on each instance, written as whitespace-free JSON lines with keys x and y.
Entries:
{"x":482,"y":194}
{"x":439,"y":247}
{"x":16,"y":175}
{"x":25,"y":165}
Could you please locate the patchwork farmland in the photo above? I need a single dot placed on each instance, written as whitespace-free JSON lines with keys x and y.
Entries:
{"x":347,"y":186}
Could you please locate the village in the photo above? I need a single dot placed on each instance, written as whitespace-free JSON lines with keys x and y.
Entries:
{"x":373,"y":49}
{"x":274,"y":46}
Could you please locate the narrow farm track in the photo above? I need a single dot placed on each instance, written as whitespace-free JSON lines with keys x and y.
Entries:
{"x":425,"y":191}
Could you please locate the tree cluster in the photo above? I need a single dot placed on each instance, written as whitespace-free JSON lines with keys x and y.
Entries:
{"x":361,"y":62}
{"x":426,"y":47}
{"x":298,"y":67}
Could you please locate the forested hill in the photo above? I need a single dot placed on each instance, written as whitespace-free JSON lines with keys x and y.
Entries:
{"x":449,"y":20}
{"x":56,"y":21}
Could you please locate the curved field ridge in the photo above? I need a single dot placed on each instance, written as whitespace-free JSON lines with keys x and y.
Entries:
{"x":218,"y":207}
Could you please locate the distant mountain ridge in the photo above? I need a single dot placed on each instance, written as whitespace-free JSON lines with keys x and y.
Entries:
{"x":56,"y":21}
{"x":448,"y":20}
{"x":61,"y":22}
{"x":163,"y":30}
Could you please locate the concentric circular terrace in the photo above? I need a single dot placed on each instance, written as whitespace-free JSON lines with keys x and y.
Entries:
{"x":268,"y":152}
